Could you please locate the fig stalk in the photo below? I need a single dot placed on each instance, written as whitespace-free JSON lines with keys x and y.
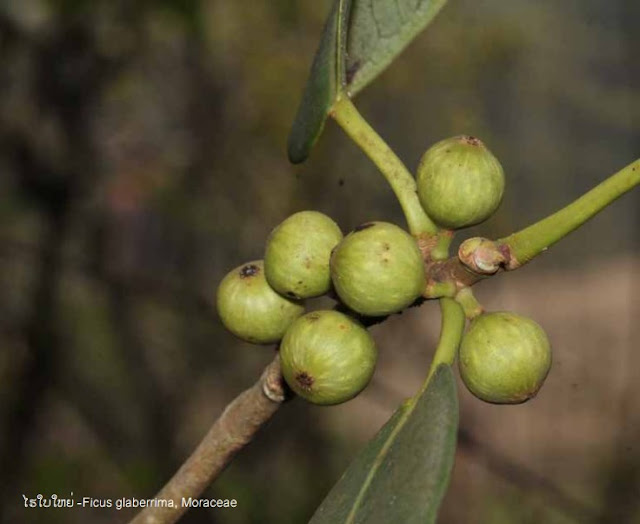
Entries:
{"x":472,"y":308}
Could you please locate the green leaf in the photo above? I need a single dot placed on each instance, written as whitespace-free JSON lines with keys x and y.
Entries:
{"x":379,"y":30}
{"x":323,"y":86}
{"x":403,"y":472}
{"x":360,"y":39}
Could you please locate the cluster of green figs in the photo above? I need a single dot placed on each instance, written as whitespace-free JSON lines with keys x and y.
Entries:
{"x":328,"y":356}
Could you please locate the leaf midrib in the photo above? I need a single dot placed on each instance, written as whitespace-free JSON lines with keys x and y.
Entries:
{"x":341,"y":44}
{"x":409,"y":407}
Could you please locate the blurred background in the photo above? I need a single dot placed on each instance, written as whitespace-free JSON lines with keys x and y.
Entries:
{"x":142,"y":156}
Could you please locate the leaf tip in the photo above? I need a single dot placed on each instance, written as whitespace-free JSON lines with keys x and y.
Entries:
{"x":297,"y":152}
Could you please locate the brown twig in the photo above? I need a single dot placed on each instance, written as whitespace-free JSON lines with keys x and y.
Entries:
{"x":233,"y":430}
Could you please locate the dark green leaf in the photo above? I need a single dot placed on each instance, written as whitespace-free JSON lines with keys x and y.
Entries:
{"x":378,"y":31}
{"x":323,"y":85}
{"x":360,"y":39}
{"x":403,"y":472}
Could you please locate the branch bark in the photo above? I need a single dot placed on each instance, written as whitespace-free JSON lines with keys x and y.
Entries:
{"x":233,"y":430}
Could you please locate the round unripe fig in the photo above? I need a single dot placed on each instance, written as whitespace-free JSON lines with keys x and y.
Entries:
{"x":250,"y":309}
{"x":460,"y":182}
{"x":297,"y":256}
{"x":378,"y":269}
{"x":504,"y":358}
{"x":327,"y":357}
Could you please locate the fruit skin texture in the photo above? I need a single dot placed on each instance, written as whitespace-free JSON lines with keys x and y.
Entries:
{"x":327,"y":357}
{"x":297,"y":254}
{"x":378,"y":269}
{"x":250,"y":309}
{"x":504,"y":358}
{"x":460,"y":182}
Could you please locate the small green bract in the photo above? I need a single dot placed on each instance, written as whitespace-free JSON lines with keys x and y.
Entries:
{"x":460,"y":183}
{"x":250,"y":309}
{"x":378,"y":269}
{"x":504,"y":358}
{"x":327,"y":357}
{"x":297,"y":254}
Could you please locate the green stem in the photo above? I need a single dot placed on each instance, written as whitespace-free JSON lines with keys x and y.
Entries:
{"x":441,"y":249}
{"x":398,"y":176}
{"x":470,"y":305}
{"x":531,"y":241}
{"x":451,"y":329}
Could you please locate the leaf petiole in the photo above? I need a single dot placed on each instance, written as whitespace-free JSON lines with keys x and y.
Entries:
{"x":402,"y":182}
{"x":451,"y":329}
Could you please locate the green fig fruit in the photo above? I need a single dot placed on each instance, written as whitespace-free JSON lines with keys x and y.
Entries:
{"x":296,"y":261}
{"x":327,"y":357}
{"x":250,"y":309}
{"x":460,"y":182}
{"x":377,"y":269}
{"x":504,"y":358}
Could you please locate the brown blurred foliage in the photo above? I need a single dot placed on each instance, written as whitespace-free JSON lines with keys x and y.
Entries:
{"x":142,"y":155}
